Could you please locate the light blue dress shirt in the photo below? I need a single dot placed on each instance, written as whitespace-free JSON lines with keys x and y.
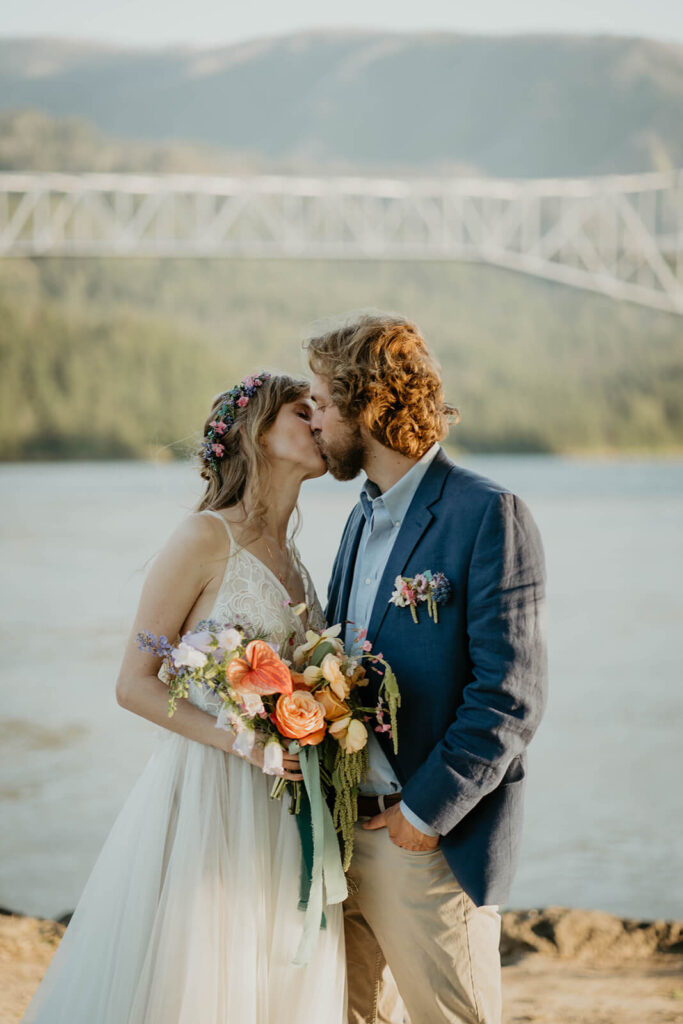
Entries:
{"x":384,"y":514}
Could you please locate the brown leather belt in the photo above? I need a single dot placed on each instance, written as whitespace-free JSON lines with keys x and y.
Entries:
{"x":369,"y":806}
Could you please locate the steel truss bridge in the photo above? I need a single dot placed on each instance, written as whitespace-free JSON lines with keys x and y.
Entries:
{"x":619,"y":235}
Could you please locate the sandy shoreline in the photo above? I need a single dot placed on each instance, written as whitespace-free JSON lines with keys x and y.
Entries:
{"x":560,"y":966}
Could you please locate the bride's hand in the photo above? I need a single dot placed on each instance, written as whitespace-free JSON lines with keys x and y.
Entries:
{"x":291,"y":769}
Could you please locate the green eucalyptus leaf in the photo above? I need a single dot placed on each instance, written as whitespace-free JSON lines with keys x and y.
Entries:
{"x":320,"y":652}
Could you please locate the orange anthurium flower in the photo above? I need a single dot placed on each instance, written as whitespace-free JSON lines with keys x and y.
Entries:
{"x":259,"y":671}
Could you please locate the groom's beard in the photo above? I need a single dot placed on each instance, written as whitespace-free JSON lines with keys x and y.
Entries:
{"x":344,"y":456}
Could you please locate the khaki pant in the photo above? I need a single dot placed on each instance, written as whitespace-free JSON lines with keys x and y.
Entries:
{"x":411,"y":929}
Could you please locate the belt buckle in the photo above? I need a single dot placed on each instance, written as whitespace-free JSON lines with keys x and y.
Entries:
{"x":382,"y":798}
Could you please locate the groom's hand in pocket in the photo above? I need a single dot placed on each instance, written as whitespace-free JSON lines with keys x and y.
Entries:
{"x":401,"y":832}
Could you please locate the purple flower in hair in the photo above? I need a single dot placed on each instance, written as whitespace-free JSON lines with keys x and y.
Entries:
{"x":211,"y":450}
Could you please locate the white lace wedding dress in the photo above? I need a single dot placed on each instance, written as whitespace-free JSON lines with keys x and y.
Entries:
{"x":190,"y":914}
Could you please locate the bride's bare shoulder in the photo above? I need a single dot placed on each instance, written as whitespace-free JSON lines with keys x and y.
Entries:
{"x":199,"y":538}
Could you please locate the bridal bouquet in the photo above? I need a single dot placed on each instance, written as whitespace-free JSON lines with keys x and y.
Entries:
{"x":310,"y":707}
{"x":327,"y":684}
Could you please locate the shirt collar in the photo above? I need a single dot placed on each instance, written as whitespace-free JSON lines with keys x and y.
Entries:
{"x":398,"y":498}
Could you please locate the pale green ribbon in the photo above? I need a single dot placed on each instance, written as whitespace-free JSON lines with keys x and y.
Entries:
{"x":328,"y":883}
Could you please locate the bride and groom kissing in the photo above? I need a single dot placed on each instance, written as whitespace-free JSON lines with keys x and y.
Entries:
{"x":190,"y":915}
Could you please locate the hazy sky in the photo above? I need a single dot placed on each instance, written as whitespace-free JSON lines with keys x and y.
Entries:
{"x":216,"y":22}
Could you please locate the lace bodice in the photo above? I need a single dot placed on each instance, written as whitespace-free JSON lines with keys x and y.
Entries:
{"x":250,"y":595}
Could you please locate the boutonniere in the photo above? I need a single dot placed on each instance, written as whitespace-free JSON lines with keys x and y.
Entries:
{"x":430,"y":588}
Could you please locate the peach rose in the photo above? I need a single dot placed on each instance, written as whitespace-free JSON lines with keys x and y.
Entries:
{"x":340,"y":727}
{"x":312,"y":675}
{"x":355,"y":737}
{"x":334,"y":708}
{"x":300,"y":717}
{"x":332,"y":672}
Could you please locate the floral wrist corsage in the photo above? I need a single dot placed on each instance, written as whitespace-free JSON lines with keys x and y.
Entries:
{"x":427,"y":587}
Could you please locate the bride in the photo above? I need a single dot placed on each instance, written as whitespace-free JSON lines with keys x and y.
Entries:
{"x":190,"y":914}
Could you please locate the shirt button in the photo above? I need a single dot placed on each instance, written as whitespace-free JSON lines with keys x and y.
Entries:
{"x":368,"y":580}
{"x":397,"y":523}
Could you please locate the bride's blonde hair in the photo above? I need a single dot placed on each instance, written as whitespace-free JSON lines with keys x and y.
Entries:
{"x":243,"y":461}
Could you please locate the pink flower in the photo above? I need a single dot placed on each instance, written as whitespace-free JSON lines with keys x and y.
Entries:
{"x":257,"y":382}
{"x":218,"y":449}
{"x":243,"y":401}
{"x":367,"y":646}
{"x":362,"y":633}
{"x":248,"y":382}
{"x":218,"y":426}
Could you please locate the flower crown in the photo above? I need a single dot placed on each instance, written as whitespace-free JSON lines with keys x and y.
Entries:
{"x":212,"y":450}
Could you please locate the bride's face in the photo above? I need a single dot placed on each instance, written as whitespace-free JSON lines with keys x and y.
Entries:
{"x":290,"y":441}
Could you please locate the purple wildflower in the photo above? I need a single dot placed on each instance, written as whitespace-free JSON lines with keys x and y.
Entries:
{"x":161,"y":646}
{"x":441,"y":588}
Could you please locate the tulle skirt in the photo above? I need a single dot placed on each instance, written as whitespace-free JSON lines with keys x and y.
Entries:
{"x":190,"y":914}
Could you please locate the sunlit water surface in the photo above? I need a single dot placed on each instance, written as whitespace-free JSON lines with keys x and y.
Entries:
{"x":604,"y":821}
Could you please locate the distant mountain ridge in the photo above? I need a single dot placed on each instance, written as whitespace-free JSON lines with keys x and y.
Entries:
{"x":520,"y":106}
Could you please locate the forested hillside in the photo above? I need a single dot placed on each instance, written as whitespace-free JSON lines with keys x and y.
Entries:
{"x":104,"y":358}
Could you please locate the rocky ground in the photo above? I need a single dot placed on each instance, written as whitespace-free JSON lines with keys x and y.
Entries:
{"x":559,"y":967}
{"x":585,"y":967}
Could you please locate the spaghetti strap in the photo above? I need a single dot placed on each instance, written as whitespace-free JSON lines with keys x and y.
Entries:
{"x":226,"y":524}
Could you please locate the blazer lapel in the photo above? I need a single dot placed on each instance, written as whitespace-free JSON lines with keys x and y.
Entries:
{"x":348,"y":561}
{"x":409,"y":535}
{"x":416,"y":521}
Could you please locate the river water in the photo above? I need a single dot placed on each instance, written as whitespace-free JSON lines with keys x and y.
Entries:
{"x":604,"y":821}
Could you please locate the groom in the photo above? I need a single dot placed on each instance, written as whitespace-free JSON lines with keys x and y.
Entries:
{"x":437,"y":843}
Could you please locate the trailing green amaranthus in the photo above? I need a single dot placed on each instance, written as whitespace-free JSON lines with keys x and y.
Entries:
{"x":349,"y":771}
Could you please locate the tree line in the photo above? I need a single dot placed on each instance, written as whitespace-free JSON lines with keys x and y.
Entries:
{"x":120,"y":358}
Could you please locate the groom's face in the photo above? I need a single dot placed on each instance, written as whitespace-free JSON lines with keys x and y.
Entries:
{"x":340,"y":441}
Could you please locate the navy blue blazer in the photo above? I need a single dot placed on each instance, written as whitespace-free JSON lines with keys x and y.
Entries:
{"x":473,"y":685}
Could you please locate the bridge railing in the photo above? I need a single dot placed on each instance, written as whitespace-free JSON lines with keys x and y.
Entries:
{"x":621,"y":235}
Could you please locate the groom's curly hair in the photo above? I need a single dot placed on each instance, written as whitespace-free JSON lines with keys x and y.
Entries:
{"x":381,"y":373}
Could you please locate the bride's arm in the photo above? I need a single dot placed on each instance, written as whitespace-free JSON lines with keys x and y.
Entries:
{"x":179,"y":574}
